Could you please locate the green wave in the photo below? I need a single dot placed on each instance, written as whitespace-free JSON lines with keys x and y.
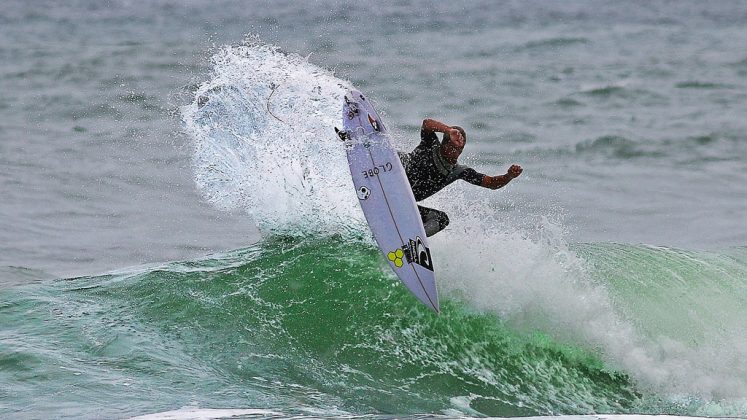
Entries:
{"x":321,"y":325}
{"x":291,"y":323}
{"x":694,"y":296}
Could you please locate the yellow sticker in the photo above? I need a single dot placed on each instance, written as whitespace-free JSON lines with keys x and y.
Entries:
{"x":396,"y":257}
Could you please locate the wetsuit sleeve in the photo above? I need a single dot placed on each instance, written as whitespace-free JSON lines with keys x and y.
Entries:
{"x":472,"y":176}
{"x":427,"y":139}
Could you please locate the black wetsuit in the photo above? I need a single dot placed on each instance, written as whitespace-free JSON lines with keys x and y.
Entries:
{"x":428,"y":173}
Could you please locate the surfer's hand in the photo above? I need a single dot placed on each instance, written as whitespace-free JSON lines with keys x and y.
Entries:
{"x":514,"y":171}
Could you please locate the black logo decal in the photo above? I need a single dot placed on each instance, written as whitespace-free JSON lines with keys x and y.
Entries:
{"x":416,"y":252}
{"x":376,"y":170}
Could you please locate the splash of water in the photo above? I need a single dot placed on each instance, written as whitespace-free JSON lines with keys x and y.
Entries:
{"x":676,"y":334}
{"x":264,"y":142}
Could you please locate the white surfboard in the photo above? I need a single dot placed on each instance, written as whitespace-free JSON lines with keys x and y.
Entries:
{"x":387,"y":200}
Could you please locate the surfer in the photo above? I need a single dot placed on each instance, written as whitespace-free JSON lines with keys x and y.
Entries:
{"x":433,"y":165}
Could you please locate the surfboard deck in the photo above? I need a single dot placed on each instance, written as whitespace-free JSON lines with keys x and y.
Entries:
{"x":386,"y":198}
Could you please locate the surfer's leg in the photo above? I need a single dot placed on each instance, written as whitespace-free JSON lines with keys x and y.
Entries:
{"x":434,"y":221}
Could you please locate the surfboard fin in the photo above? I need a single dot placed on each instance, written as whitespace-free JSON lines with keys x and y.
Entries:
{"x":408,"y":255}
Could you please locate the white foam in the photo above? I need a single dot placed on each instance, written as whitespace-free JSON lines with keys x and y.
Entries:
{"x":535,"y":282}
{"x":612,"y":417}
{"x":264,"y":142}
{"x":227,"y":413}
{"x":194,"y":413}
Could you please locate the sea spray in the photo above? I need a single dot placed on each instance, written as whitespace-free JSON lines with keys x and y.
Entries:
{"x":264,"y":142}
{"x":672,"y":320}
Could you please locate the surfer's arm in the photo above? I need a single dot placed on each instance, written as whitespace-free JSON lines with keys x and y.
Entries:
{"x":495,"y":182}
{"x":428,"y":132}
{"x":470,"y":175}
{"x":430,"y":128}
{"x":433,"y":126}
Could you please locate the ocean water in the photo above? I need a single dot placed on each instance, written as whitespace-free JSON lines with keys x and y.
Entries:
{"x":179,"y":236}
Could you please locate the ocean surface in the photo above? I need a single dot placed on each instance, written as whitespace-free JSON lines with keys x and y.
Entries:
{"x":179,"y":235}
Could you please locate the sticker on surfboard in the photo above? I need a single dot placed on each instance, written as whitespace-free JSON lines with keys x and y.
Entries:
{"x":363,"y":193}
{"x":414,"y":252}
{"x":374,"y":123}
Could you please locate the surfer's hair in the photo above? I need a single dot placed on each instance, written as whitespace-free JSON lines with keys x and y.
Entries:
{"x":447,"y":137}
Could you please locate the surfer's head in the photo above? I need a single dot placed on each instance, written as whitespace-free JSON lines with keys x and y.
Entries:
{"x":447,"y":137}
{"x":452,"y":149}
